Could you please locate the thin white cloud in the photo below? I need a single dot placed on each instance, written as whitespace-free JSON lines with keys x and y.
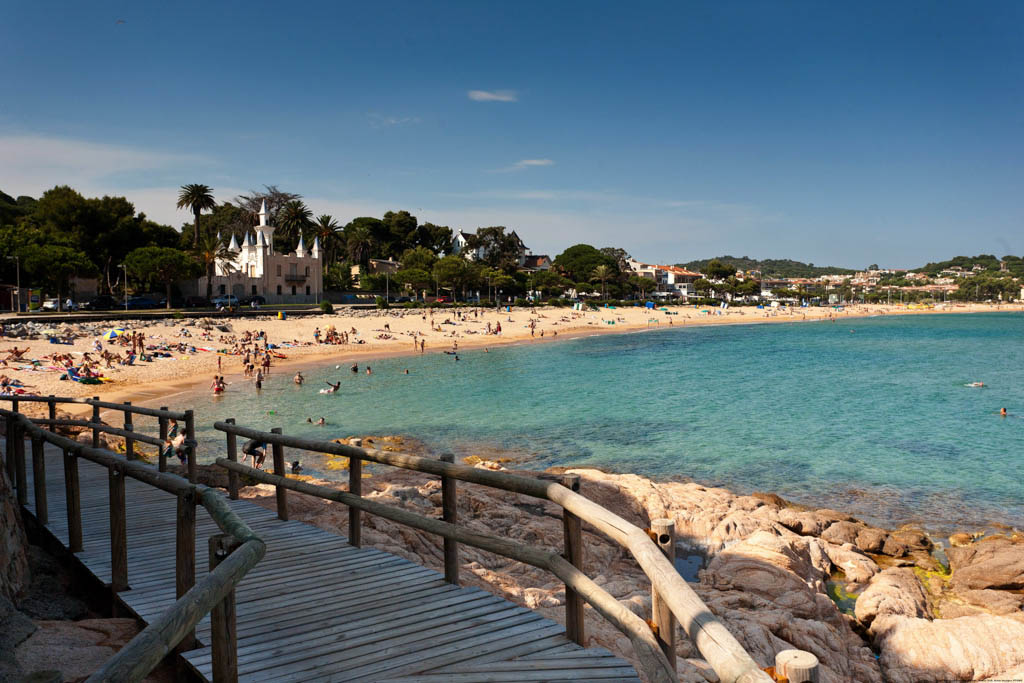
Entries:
{"x":381,"y":121}
{"x":524,"y":164}
{"x":493,"y":95}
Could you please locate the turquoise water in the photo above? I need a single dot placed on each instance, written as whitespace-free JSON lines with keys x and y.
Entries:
{"x":870,"y":416}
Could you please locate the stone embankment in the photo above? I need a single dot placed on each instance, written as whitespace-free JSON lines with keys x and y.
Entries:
{"x":774,"y":573}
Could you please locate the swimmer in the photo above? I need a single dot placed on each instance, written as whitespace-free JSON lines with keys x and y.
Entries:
{"x":296,"y":467}
{"x":1002,"y":411}
{"x":321,"y":422}
{"x":368,"y":370}
{"x":975,"y":384}
{"x":333,"y":388}
{"x":407,"y":371}
{"x":309,"y":420}
{"x":299,"y":379}
{"x":354,"y":368}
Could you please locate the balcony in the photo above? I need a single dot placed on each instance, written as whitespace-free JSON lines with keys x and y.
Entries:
{"x":295,"y":277}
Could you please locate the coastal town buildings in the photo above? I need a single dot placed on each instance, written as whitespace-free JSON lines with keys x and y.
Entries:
{"x":525,"y":258}
{"x":670,"y":281}
{"x":374,"y":266}
{"x":255,"y":268}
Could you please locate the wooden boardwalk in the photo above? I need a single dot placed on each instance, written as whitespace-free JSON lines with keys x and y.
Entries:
{"x":318,"y":609}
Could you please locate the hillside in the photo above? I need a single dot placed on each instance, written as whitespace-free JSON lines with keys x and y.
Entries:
{"x":770,"y":267}
{"x":1015,"y":264}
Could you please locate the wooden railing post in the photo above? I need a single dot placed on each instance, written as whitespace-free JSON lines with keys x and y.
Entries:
{"x":573,"y":531}
{"x":96,"y":423}
{"x":190,"y":444}
{"x":797,"y":666}
{"x":664,"y":533}
{"x":355,"y":487}
{"x":224,"y":648}
{"x":233,"y":457}
{"x":19,"y":464}
{"x":39,"y":480}
{"x":129,"y":443}
{"x":450,"y":514}
{"x":12,"y":467}
{"x":118,"y":532}
{"x":162,"y":457}
{"x":282,"y":492}
{"x":185,"y":554}
{"x":72,"y":495}
{"x":51,"y":411}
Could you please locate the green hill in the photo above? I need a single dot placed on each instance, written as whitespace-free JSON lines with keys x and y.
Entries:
{"x":771,"y":267}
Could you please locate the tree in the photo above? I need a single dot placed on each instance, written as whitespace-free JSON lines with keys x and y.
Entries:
{"x":620,"y":256}
{"x":500,"y":250}
{"x":579,"y":261}
{"x":196,"y":198}
{"x":436,"y":238}
{"x":642,"y":284}
{"x":548,"y":282}
{"x":327,"y":230}
{"x":211,"y":249}
{"x":603,"y":273}
{"x":161,"y":264}
{"x":421,"y":258}
{"x":250,"y":204}
{"x":359,"y":242}
{"x":702,"y":286}
{"x":452,"y":271}
{"x":716,"y":270}
{"x":293,"y":221}
{"x":417,"y":279}
{"x":53,"y":265}
{"x":398,"y":233}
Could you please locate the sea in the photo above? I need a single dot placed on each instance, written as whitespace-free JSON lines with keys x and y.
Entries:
{"x":871,"y":416}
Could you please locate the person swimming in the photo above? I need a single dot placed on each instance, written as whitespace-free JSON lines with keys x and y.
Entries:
{"x":355,"y":367}
{"x":296,"y":467}
{"x":368,"y":370}
{"x":1002,"y":412}
{"x":299,"y":379}
{"x":333,"y":388}
{"x":321,"y":422}
{"x":975,"y":384}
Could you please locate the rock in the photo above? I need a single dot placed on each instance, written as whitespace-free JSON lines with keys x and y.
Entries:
{"x":871,"y":540}
{"x":966,"y":648}
{"x":960,"y":540}
{"x":842,"y":532}
{"x":1015,"y":674}
{"x":804,"y":522}
{"x":913,"y":539}
{"x":995,"y":562}
{"x":893,"y":591}
{"x":77,"y":648}
{"x":86,"y":438}
{"x":893,"y":548}
{"x":15,"y":627}
{"x":995,"y":602}
{"x":14,"y":572}
{"x":857,"y":566}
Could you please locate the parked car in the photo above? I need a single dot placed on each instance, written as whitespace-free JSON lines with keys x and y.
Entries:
{"x":139,"y":302}
{"x":52,"y":305}
{"x":102,"y":302}
{"x":443,"y":300}
{"x":225,"y":300}
{"x":259,"y":300}
{"x":197,"y":302}
{"x":176,"y":302}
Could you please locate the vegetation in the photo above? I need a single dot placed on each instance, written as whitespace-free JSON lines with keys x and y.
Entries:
{"x":768,"y":267}
{"x":196,"y":198}
{"x":161,"y":265}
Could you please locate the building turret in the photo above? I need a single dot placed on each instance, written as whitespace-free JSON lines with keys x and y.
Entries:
{"x":265,"y":231}
{"x":315,"y":253}
{"x":300,"y":250}
{"x":233,"y":245}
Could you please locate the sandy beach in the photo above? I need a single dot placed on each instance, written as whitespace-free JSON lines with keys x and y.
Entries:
{"x":379,"y":333}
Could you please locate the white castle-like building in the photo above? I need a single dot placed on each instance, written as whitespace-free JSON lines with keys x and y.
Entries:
{"x":255,"y":269}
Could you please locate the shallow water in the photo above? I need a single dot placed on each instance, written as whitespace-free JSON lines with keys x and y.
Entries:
{"x":870,"y":415}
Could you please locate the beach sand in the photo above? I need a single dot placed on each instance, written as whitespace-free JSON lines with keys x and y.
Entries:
{"x":164,"y":377}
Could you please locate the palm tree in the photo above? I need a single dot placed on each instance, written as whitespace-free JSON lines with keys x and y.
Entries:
{"x":197,"y":198}
{"x":327,"y":229}
{"x":603,"y":273}
{"x":211,"y":249}
{"x":360,"y":242}
{"x":293,"y":220}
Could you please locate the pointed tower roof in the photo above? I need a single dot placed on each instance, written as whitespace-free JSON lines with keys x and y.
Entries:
{"x":300,"y":250}
{"x":233,"y":245}
{"x":261,"y":241}
{"x":263,"y":212}
{"x":316,"y":247}
{"x":249,"y":241}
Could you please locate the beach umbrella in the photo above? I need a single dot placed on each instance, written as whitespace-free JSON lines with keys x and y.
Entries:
{"x":113,"y":333}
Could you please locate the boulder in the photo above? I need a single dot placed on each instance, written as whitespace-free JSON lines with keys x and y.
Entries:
{"x":842,"y":532}
{"x":913,"y":538}
{"x":77,"y":648}
{"x":857,"y":566}
{"x":914,"y":650}
{"x":995,"y":562}
{"x":994,"y":602}
{"x":893,"y":591}
{"x":14,"y":573}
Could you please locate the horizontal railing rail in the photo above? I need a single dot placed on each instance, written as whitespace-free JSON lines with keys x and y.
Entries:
{"x":232,"y":553}
{"x":674,"y":600}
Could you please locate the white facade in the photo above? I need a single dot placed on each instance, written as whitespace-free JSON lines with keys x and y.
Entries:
{"x":255,"y":269}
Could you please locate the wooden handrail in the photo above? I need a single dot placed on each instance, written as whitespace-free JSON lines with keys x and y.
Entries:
{"x":215,"y":593}
{"x":716,"y":644}
{"x":655,"y":665}
{"x":138,"y":410}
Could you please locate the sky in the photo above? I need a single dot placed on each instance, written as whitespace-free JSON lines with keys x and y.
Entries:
{"x":835,"y":133}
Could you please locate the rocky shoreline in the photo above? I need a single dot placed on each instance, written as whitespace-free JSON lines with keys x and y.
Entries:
{"x":774,"y":573}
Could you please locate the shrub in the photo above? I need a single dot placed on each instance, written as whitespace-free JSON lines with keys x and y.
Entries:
{"x":382,"y":302}
{"x":326,"y":307}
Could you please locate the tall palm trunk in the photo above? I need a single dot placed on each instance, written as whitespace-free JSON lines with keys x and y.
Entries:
{"x":209,"y":279}
{"x":195,"y":238}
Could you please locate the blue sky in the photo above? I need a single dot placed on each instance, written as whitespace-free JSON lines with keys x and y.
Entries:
{"x":833,"y":133}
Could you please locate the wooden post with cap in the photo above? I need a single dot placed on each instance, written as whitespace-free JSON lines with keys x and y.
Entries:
{"x":450,"y":514}
{"x":572,"y":529}
{"x":663,"y":532}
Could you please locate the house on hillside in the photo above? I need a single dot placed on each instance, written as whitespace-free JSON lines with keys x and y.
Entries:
{"x":525,"y":259}
{"x":254,"y":268}
{"x":375,"y":266}
{"x":670,"y":281}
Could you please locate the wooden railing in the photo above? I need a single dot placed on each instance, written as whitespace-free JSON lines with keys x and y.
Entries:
{"x":232,"y":553}
{"x":673,"y":600}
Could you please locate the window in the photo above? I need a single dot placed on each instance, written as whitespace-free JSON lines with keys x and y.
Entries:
{"x":254,"y":290}
{"x":279,"y":289}
{"x":307,"y":287}
{"x":293,"y":290}
{"x":223,"y":289}
{"x":307,"y":274}
{"x":279,"y":270}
